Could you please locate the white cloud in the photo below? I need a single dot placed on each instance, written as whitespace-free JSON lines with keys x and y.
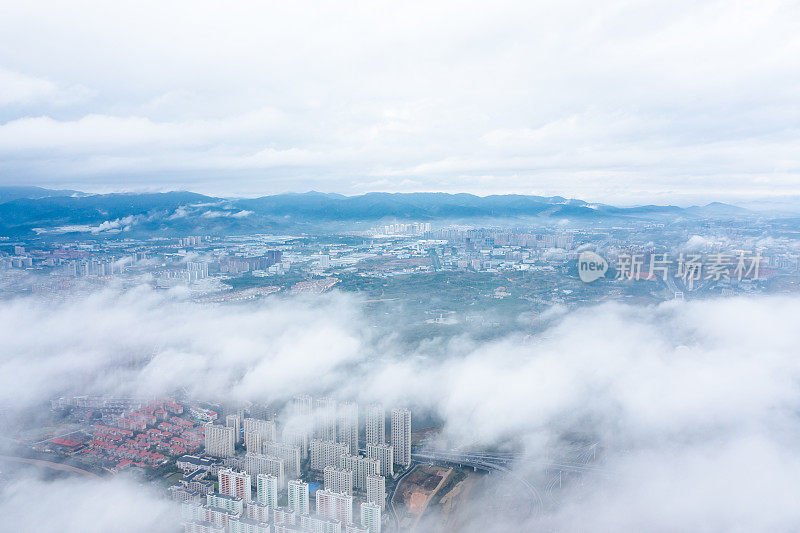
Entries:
{"x":19,"y":88}
{"x":85,"y":506}
{"x":625,"y":102}
{"x":693,"y":403}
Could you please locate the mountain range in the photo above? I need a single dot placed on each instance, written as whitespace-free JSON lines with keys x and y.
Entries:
{"x":26,"y":211}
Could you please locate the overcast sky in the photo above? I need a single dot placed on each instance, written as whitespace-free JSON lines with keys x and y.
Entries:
{"x":617,"y":101}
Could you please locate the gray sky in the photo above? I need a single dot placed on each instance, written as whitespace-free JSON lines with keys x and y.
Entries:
{"x":613,"y":101}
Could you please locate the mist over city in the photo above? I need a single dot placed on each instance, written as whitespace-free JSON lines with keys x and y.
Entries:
{"x":399,"y":268}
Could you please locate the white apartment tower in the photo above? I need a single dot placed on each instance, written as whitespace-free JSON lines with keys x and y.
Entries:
{"x":302,"y":405}
{"x":288,"y":452}
{"x":361,"y":467}
{"x":267,"y":491}
{"x":219,"y":440}
{"x":252,"y":441}
{"x":296,"y":436}
{"x":235,"y":484}
{"x":245,"y":525}
{"x":299,"y":430}
{"x":326,"y":453}
{"x":335,"y":505}
{"x":401,"y":436}
{"x":325,"y":419}
{"x":347,"y":426}
{"x":316,"y":524}
{"x":371,"y":517}
{"x":338,"y":480}
{"x":376,"y":490}
{"x":265,"y":428}
{"x":385,"y":455}
{"x":298,"y":497}
{"x":233,"y":421}
{"x":257,"y":463}
{"x":376,"y":424}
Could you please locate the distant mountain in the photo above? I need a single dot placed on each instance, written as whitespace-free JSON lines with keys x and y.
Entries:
{"x":716,"y":209}
{"x":422,"y":206}
{"x":99,"y":213}
{"x":43,"y":211}
{"x":13,"y":193}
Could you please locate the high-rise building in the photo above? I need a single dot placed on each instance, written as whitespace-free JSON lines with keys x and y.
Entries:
{"x":234,"y":483}
{"x":302,"y":405}
{"x":285,"y":516}
{"x":347,"y":426}
{"x":246,"y":525}
{"x":258,"y":463}
{"x":335,"y":505}
{"x":261,"y":411}
{"x":288,"y":452}
{"x":371,"y":517}
{"x":299,"y":428}
{"x":297,"y":437}
{"x":338,"y":480}
{"x":223,"y":501}
{"x":267,"y":490}
{"x":361,"y":467}
{"x":233,"y":421}
{"x":384,"y":453}
{"x":401,"y":436}
{"x":256,"y":511}
{"x":194,"y":526}
{"x":219,"y":440}
{"x":253,"y":441}
{"x":298,"y":497}
{"x":376,"y":490}
{"x":326,"y":453}
{"x":265,"y":428}
{"x":376,"y":424}
{"x":320,"y":524}
{"x":325,"y":419}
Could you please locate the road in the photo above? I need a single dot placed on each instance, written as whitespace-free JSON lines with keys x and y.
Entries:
{"x":500,"y":462}
{"x":484,"y":461}
{"x":392,"y":510}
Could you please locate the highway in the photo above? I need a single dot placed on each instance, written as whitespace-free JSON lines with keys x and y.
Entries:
{"x":392,"y":510}
{"x":483,"y":461}
{"x":503,"y":462}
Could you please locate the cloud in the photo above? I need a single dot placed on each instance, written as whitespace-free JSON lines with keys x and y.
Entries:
{"x":19,"y":88}
{"x":689,"y":101}
{"x":259,"y":352}
{"x":85,"y":506}
{"x":692,"y":404}
{"x":739,"y":485}
{"x":107,"y":226}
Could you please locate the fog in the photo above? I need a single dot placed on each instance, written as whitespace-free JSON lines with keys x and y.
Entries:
{"x":693,"y":405}
{"x":119,"y":504}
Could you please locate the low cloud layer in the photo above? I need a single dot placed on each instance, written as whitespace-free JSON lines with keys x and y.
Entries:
{"x":692,"y":404}
{"x":85,"y":505}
